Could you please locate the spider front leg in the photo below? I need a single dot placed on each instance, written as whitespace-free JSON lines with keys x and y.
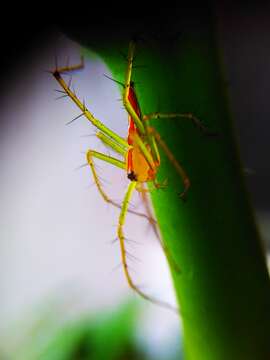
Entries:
{"x":126,"y":93}
{"x":57,"y":73}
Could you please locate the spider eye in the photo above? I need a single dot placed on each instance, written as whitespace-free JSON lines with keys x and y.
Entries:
{"x":131,"y":176}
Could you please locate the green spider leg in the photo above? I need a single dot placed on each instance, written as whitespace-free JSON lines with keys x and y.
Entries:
{"x":84,"y":111}
{"x":131,"y":187}
{"x":118,"y":163}
{"x":158,"y":236}
{"x":187,"y":116}
{"x":179,"y":168}
{"x":138,"y":122}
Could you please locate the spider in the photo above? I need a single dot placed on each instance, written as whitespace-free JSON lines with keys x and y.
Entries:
{"x":139,"y":152}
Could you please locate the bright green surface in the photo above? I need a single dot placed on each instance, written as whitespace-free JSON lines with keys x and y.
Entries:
{"x":223,"y":289}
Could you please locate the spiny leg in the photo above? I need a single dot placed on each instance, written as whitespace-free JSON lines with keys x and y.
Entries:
{"x":122,"y":217}
{"x":188,"y":116}
{"x":120,"y":164}
{"x":172,"y":159}
{"x":143,"y":192}
{"x":128,"y":106}
{"x":70,"y":68}
{"x":81,"y":105}
{"x":166,"y":250}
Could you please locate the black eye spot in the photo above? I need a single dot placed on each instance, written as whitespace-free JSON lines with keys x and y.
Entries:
{"x":131,"y":176}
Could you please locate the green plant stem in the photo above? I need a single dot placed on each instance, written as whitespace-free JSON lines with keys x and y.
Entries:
{"x":223,"y":288}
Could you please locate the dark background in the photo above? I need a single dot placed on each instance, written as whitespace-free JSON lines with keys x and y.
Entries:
{"x":244,"y":33}
{"x":244,"y":37}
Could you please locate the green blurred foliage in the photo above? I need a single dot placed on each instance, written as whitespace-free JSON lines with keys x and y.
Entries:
{"x":107,"y":335}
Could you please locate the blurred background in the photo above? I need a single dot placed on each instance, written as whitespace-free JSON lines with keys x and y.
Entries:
{"x":58,"y":263}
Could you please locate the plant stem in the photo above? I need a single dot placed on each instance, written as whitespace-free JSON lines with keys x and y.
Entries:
{"x":223,"y":288}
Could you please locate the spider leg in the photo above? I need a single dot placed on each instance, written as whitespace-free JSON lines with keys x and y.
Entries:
{"x":143,"y":192}
{"x":166,"y":250}
{"x":188,"y":116}
{"x":120,"y":233}
{"x":172,"y":159}
{"x":69,"y":68}
{"x":120,"y":164}
{"x":128,"y":106}
{"x":57,"y":73}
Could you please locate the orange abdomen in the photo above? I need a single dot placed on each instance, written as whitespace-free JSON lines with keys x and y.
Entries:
{"x":138,"y":168}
